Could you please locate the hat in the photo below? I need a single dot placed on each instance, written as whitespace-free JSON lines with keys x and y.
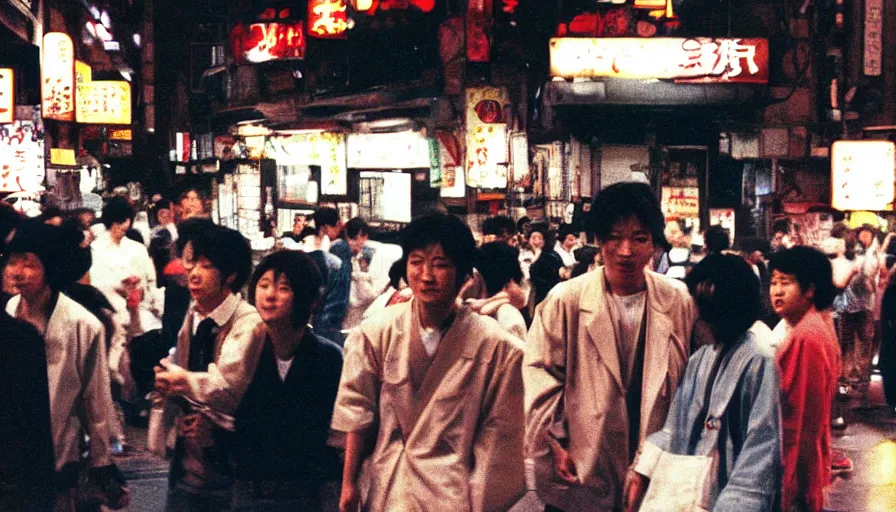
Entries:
{"x":833,"y":246}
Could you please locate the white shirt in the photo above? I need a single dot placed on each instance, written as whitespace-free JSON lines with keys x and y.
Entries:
{"x":568,"y":257}
{"x":283,"y":367}
{"x":221,"y":315}
{"x":114,"y":262}
{"x":431,"y":339}
{"x":627,"y":313}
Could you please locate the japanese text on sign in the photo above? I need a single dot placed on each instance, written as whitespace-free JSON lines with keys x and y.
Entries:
{"x":327,"y":18}
{"x":699,"y":59}
{"x":21,"y":158}
{"x":263,"y":42}
{"x":681,"y":202}
{"x":58,"y":77}
{"x":104,"y":102}
{"x":7,"y":96}
{"x":874,"y":24}
{"x":863,"y":174}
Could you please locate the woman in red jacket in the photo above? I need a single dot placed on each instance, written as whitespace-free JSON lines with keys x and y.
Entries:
{"x":809,"y":363}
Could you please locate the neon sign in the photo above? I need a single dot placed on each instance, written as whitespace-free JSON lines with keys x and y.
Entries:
{"x":327,"y":18}
{"x":263,"y":42}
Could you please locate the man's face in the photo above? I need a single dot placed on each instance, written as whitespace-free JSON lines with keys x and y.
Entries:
{"x":536,"y":240}
{"x":331,"y":232}
{"x":299,"y":223}
{"x":119,"y":229}
{"x":626,"y":252}
{"x":778,"y":240}
{"x":357,"y":243}
{"x":789,"y":301}
{"x":569,"y":242}
{"x":25,"y":274}
{"x":207,"y":286}
{"x":191,"y":204}
{"x":164,"y":216}
{"x":866,"y":237}
{"x":86,"y":219}
{"x":432,"y":276}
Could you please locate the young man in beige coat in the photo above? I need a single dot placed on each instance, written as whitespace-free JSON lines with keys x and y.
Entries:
{"x":604,"y":355}
{"x":434,"y":390}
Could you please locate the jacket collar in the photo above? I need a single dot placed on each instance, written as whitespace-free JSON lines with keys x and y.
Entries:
{"x":660,"y":299}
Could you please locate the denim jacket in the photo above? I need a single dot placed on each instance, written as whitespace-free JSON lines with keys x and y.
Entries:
{"x":743,"y":423}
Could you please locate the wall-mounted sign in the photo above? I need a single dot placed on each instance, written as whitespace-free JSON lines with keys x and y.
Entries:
{"x":699,"y":59}
{"x":327,"y":18}
{"x":479,"y":16}
{"x":61,"y":156}
{"x":7,"y":96}
{"x":121,"y":134}
{"x":263,"y":42}
{"x":21,"y":158}
{"x":874,"y":26}
{"x":58,"y":77}
{"x":487,"y":156}
{"x":333,"y":171}
{"x":680,"y":202}
{"x":111,"y":46}
{"x":863,"y":174}
{"x":485,"y":105}
{"x":400,"y":150}
{"x":104,"y":102}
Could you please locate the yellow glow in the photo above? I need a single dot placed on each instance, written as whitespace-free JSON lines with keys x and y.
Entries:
{"x":7,"y":96}
{"x":882,"y":467}
{"x":58,"y":77}
{"x":362,"y":5}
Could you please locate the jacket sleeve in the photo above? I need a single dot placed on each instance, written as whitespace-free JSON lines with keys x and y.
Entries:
{"x":336,"y":300}
{"x":222,"y":387}
{"x":544,"y":375}
{"x":95,"y":392}
{"x":498,"y":479}
{"x":357,"y":401}
{"x":755,"y":479}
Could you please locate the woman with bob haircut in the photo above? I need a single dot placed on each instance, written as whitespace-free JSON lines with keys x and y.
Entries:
{"x":283,"y":421}
{"x":436,"y":388}
{"x":727,"y":406}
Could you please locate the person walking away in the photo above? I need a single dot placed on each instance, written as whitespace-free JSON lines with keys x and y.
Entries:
{"x":809,"y":363}
{"x":283,"y":422}
{"x":727,"y":406}
{"x":498,"y":264}
{"x":434,"y":389}
{"x":203,"y":382}
{"x":603,"y":357}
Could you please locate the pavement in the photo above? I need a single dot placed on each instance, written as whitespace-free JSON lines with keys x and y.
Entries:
{"x":869,"y":440}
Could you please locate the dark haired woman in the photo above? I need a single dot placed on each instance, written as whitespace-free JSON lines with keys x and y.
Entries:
{"x":727,"y":406}
{"x":283,"y":421}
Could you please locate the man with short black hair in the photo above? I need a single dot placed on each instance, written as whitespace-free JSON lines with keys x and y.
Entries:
{"x":326,"y":220}
{"x":604,"y":355}
{"x":217,"y":351}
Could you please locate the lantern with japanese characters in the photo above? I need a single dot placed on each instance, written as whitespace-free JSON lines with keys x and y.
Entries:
{"x":327,"y":19}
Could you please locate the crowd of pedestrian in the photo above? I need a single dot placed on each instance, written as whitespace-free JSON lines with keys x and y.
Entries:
{"x":632,"y":372}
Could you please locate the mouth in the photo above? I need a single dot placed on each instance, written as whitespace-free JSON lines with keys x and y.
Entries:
{"x":778,"y":304}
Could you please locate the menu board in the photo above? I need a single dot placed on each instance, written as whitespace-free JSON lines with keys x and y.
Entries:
{"x":680,"y":202}
{"x":104,"y":102}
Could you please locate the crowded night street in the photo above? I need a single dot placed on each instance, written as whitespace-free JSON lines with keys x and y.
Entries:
{"x":447,"y":255}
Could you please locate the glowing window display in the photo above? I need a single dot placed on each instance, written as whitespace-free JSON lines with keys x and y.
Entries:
{"x":863,"y":174}
{"x":58,"y":77}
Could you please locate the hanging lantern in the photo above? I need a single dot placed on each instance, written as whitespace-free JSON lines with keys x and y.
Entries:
{"x":327,"y":19}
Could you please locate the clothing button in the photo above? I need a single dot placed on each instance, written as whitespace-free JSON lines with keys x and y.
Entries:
{"x":713,"y":423}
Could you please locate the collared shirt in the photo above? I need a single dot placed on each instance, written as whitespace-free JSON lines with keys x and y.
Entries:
{"x":568,"y":257}
{"x":221,"y":314}
{"x":114,"y":262}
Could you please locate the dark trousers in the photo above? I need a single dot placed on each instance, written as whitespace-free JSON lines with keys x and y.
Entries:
{"x":146,"y":351}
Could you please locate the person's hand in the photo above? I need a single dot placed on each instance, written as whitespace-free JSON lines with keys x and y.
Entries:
{"x":350,"y":498}
{"x":171,"y":381}
{"x":635,"y":487}
{"x":564,"y":468}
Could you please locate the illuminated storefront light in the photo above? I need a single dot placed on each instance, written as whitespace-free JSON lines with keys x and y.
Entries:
{"x":327,"y":18}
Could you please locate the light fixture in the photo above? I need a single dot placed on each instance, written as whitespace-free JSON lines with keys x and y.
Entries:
{"x":137,"y":40}
{"x":94,"y":12}
{"x":126,"y":75}
{"x":104,"y":19}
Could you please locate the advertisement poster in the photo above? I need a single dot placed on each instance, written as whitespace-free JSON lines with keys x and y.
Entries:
{"x":401,"y":150}
{"x":680,"y":202}
{"x":862,"y":174}
{"x":333,"y":171}
{"x":104,"y":102}
{"x":21,"y":158}
{"x":487,"y":157}
{"x":7,"y":96}
{"x":58,"y":77}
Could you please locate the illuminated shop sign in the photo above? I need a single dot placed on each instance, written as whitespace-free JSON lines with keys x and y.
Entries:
{"x":327,"y":18}
{"x":58,"y":77}
{"x":680,"y":202}
{"x":7,"y":96}
{"x":104,"y":102}
{"x":862,"y":174}
{"x":401,"y":150}
{"x":263,"y":42}
{"x":700,"y":59}
{"x":21,"y":158}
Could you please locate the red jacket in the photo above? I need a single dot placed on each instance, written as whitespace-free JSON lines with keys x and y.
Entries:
{"x":809,"y":363}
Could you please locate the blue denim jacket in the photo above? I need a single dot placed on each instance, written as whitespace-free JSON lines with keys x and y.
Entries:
{"x":745,"y":420}
{"x":328,"y":322}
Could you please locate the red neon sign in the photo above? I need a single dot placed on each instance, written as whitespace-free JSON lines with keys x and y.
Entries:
{"x":327,"y":18}
{"x":263,"y":42}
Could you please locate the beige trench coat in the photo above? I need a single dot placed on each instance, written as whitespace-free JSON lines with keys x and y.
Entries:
{"x":457,"y":444}
{"x":574,"y":388}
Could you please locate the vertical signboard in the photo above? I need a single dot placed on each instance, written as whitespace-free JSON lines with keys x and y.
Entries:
{"x":327,"y":19}
{"x":58,"y":77}
{"x":874,"y":25}
{"x":862,"y":174}
{"x":486,"y":162}
{"x":479,"y":14}
{"x":7,"y":96}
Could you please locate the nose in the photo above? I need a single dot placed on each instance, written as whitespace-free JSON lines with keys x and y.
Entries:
{"x":625,"y":247}
{"x":426,"y":273}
